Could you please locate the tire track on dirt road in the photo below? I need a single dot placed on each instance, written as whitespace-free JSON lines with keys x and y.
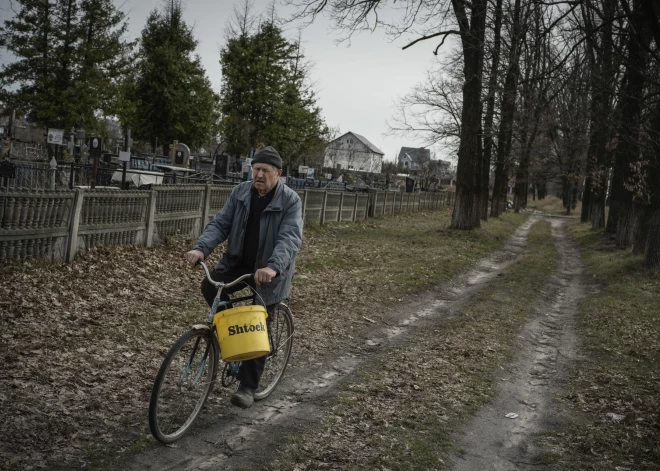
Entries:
{"x":491,"y":441}
{"x":244,"y":438}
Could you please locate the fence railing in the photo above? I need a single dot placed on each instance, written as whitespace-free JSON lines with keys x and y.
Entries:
{"x":39,"y":176}
{"x":58,"y":224}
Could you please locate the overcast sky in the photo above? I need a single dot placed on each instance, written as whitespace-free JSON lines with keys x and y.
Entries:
{"x":357,"y":84}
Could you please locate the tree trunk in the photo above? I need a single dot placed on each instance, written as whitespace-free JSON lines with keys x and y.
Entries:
{"x":467,"y":209}
{"x":603,"y":75}
{"x":534,"y":94}
{"x":585,"y":214}
{"x":490,"y":110}
{"x":566,"y":193}
{"x":507,"y":113}
{"x":652,"y":255}
{"x":641,"y":230}
{"x":652,"y":249}
{"x":629,"y":129}
{"x":498,"y":183}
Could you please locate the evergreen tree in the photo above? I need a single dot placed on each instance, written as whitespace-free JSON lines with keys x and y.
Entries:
{"x":172,"y":97}
{"x":27,"y":84}
{"x":264,"y":96}
{"x":69,"y":57}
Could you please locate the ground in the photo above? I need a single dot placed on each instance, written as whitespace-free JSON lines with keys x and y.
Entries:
{"x":413,"y":343}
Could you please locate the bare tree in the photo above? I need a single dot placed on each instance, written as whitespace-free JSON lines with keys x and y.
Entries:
{"x":568,"y":132}
{"x":600,"y":55}
{"x":430,"y":20}
{"x":431,"y":112}
{"x":622,"y":216}
{"x":508,"y":106}
{"x":490,"y":106}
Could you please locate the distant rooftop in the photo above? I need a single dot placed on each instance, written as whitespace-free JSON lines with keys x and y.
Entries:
{"x":364,"y":141}
{"x":416,"y":154}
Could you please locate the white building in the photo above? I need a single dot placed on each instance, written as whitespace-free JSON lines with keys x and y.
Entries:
{"x":353,"y":152}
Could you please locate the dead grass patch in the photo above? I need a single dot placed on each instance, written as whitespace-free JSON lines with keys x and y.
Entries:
{"x":612,"y":401}
{"x":81,"y":343}
{"x":399,"y":412}
{"x":553,"y":205}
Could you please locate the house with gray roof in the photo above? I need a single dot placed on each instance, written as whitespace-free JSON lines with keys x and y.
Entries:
{"x":414,"y":158}
{"x":353,"y":152}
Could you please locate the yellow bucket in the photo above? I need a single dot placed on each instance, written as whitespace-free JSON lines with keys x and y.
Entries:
{"x":242,"y":333}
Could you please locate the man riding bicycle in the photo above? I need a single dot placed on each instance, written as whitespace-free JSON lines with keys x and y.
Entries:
{"x":263,"y":221}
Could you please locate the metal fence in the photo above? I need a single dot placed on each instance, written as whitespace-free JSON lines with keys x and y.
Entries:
{"x":40,"y":176}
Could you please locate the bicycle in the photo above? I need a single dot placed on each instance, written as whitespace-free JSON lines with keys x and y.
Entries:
{"x":192,"y":364}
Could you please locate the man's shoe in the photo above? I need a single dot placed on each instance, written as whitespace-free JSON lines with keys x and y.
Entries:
{"x":243,"y":397}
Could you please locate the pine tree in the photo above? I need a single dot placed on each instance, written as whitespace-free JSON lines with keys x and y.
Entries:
{"x":27,"y":84}
{"x":70,"y":55}
{"x":172,"y":96}
{"x":264,"y":96}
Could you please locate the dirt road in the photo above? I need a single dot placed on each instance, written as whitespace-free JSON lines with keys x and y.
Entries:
{"x":235,"y":439}
{"x":493,"y":441}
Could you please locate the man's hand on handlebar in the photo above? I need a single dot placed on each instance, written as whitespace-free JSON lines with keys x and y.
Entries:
{"x":194,"y":256}
{"x":264,"y":275}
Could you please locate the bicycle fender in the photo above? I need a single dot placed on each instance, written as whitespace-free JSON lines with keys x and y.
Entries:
{"x":201,"y":327}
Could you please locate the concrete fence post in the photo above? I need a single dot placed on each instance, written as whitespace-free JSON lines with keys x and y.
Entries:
{"x":151,"y":215}
{"x":373,"y":205}
{"x":341,"y":206}
{"x":72,"y":248}
{"x":325,"y":202}
{"x":206,"y":207}
{"x":304,"y":205}
{"x":355,"y":207}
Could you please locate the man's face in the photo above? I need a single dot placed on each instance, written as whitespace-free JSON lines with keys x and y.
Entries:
{"x":265,"y":177}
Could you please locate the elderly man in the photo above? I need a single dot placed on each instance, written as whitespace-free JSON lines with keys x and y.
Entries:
{"x":263,"y":221}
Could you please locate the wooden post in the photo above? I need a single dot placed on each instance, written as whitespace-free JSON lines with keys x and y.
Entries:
{"x":373,"y":207}
{"x":325,"y":201}
{"x":75,"y":224}
{"x":393,"y":201}
{"x":341,"y":206}
{"x":151,"y":214}
{"x":355,"y":207}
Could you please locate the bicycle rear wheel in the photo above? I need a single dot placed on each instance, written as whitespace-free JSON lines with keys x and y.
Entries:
{"x":280,"y":334}
{"x":182,"y":385}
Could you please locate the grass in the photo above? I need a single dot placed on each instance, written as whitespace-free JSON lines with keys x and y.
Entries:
{"x":612,"y":402}
{"x":349,"y":270}
{"x":398,"y":413}
{"x":552,"y":205}
{"x":99,"y":327}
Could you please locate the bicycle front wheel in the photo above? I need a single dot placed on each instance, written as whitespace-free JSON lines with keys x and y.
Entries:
{"x":280,"y":334}
{"x":182,"y":385}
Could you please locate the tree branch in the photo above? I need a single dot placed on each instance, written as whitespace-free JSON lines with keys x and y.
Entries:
{"x":430,"y":36}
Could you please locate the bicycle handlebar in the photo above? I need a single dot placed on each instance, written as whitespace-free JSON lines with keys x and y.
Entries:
{"x":220,"y":284}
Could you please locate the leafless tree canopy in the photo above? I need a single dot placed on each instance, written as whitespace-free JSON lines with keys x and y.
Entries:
{"x":550,"y":95}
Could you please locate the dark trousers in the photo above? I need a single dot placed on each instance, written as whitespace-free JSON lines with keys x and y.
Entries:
{"x":251,"y":370}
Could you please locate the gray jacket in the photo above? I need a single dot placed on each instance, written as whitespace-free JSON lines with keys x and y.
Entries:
{"x":280,"y":236}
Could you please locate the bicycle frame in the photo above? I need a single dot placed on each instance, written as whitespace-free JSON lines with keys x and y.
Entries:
{"x":217,"y":302}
